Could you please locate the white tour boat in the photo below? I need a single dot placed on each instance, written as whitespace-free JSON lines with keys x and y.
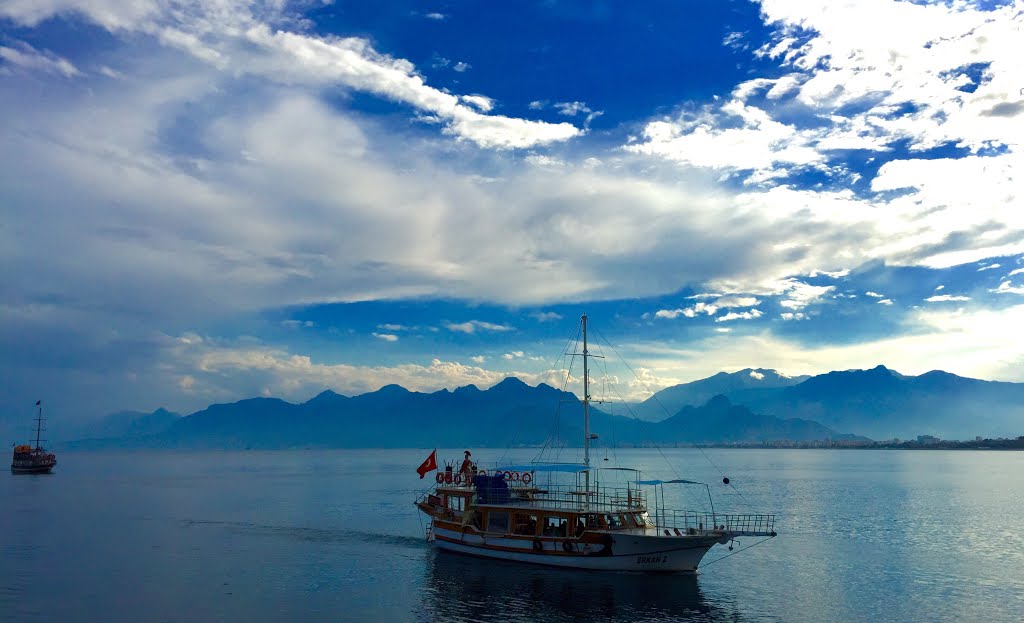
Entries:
{"x":524,"y":513}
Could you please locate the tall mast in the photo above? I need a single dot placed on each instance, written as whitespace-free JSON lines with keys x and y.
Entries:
{"x":586,"y":398}
{"x":39,"y":423}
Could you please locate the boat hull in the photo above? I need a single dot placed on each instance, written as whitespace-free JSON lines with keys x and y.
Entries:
{"x":623,"y":552}
{"x":25,"y":467}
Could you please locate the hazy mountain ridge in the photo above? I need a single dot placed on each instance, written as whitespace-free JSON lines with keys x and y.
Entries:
{"x":509,"y":413}
{"x":882,"y":404}
{"x":753,"y":405}
{"x":668,"y":401}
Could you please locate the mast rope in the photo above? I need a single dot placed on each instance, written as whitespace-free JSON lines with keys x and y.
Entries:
{"x":736,"y":552}
{"x":663,"y":408}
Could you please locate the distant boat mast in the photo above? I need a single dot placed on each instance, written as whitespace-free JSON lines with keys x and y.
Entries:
{"x":39,"y":422}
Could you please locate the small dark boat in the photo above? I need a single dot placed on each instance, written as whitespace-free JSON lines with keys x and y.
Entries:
{"x":29,"y":460}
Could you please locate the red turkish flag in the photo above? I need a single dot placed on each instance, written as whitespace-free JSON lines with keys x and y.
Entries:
{"x":428,"y":466}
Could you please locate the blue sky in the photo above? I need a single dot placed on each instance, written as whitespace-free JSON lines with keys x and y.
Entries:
{"x":205,"y":201}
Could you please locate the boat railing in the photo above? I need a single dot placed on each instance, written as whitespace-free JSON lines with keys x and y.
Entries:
{"x":695,"y":523}
{"x":572,"y":498}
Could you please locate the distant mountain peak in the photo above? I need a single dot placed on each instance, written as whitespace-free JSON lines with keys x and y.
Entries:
{"x":327,"y":394}
{"x":393,"y":389}
{"x":718,"y":402}
{"x":510,"y":382}
{"x":467,"y":389}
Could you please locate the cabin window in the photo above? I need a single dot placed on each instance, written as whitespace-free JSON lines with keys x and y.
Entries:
{"x":613,"y":521}
{"x":497,"y":522}
{"x":629,"y":521}
{"x":524,"y":524}
{"x":592,"y":521}
{"x":556,"y":526}
{"x":646,"y":520}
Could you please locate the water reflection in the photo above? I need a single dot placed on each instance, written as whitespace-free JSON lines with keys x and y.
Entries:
{"x":463,"y":588}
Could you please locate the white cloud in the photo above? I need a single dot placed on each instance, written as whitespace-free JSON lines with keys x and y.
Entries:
{"x":689,"y":312}
{"x":541,"y":160}
{"x":969,"y":343}
{"x":233,"y":38}
{"x":906,"y":84}
{"x":392,"y":327}
{"x":545,"y":316}
{"x":942,"y":298}
{"x":517,"y":354}
{"x":793,"y":316}
{"x":1015,"y":272}
{"x":478,"y":359}
{"x":461,"y":66}
{"x":1006,"y":287}
{"x":472,"y":326}
{"x":27,"y":58}
{"x":798,"y":294}
{"x":885,"y":302}
{"x":989,"y":267}
{"x":754,"y":374}
{"x":387,"y":337}
{"x":746,"y":315}
{"x":480,"y":102}
{"x":874,"y":295}
{"x":759,"y":143}
{"x":571,"y":109}
{"x":434,"y":16}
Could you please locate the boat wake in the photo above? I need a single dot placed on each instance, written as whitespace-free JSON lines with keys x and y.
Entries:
{"x":313,"y":535}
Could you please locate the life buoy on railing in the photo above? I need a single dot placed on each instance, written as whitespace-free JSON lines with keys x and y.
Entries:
{"x":527,"y":478}
{"x":458,"y":478}
{"x":439,"y":478}
{"x":448,"y":478}
{"x":515,"y":476}
{"x":537,"y":545}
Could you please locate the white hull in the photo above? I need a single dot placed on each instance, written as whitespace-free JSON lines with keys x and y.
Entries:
{"x":629,"y":552}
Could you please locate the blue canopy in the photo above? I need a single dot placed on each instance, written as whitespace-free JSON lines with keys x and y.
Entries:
{"x":573,"y":468}
{"x":668,"y":482}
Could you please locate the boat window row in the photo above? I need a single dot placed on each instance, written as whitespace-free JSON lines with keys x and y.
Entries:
{"x":534,"y":524}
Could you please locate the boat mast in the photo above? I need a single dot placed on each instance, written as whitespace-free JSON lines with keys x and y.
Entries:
{"x":586,"y":401}
{"x":39,"y":423}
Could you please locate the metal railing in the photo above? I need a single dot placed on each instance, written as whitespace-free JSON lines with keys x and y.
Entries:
{"x":571,"y":498}
{"x":691,"y":522}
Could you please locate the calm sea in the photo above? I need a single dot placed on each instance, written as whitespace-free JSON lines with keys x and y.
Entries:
{"x":333,"y":536}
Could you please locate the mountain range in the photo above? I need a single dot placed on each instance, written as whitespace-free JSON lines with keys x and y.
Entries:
{"x":751,"y":405}
{"x":509,"y":413}
{"x":878,"y":403}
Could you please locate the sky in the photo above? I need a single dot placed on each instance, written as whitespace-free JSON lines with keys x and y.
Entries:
{"x":208,"y":201}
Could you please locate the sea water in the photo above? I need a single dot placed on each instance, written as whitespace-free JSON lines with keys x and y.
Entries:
{"x":322,"y":535}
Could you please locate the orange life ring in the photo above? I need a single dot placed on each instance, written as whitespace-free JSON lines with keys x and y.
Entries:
{"x":527,"y":478}
{"x":515,"y":476}
{"x":458,"y":478}
{"x":448,"y":478}
{"x":439,"y":478}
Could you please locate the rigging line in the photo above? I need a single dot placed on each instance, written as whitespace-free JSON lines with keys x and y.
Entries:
{"x":702,"y":567}
{"x":663,"y":408}
{"x":693,"y":496}
{"x":567,"y":366}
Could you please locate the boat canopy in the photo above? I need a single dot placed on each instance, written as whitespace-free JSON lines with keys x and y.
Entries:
{"x":669,"y":482}
{"x":572,"y":468}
